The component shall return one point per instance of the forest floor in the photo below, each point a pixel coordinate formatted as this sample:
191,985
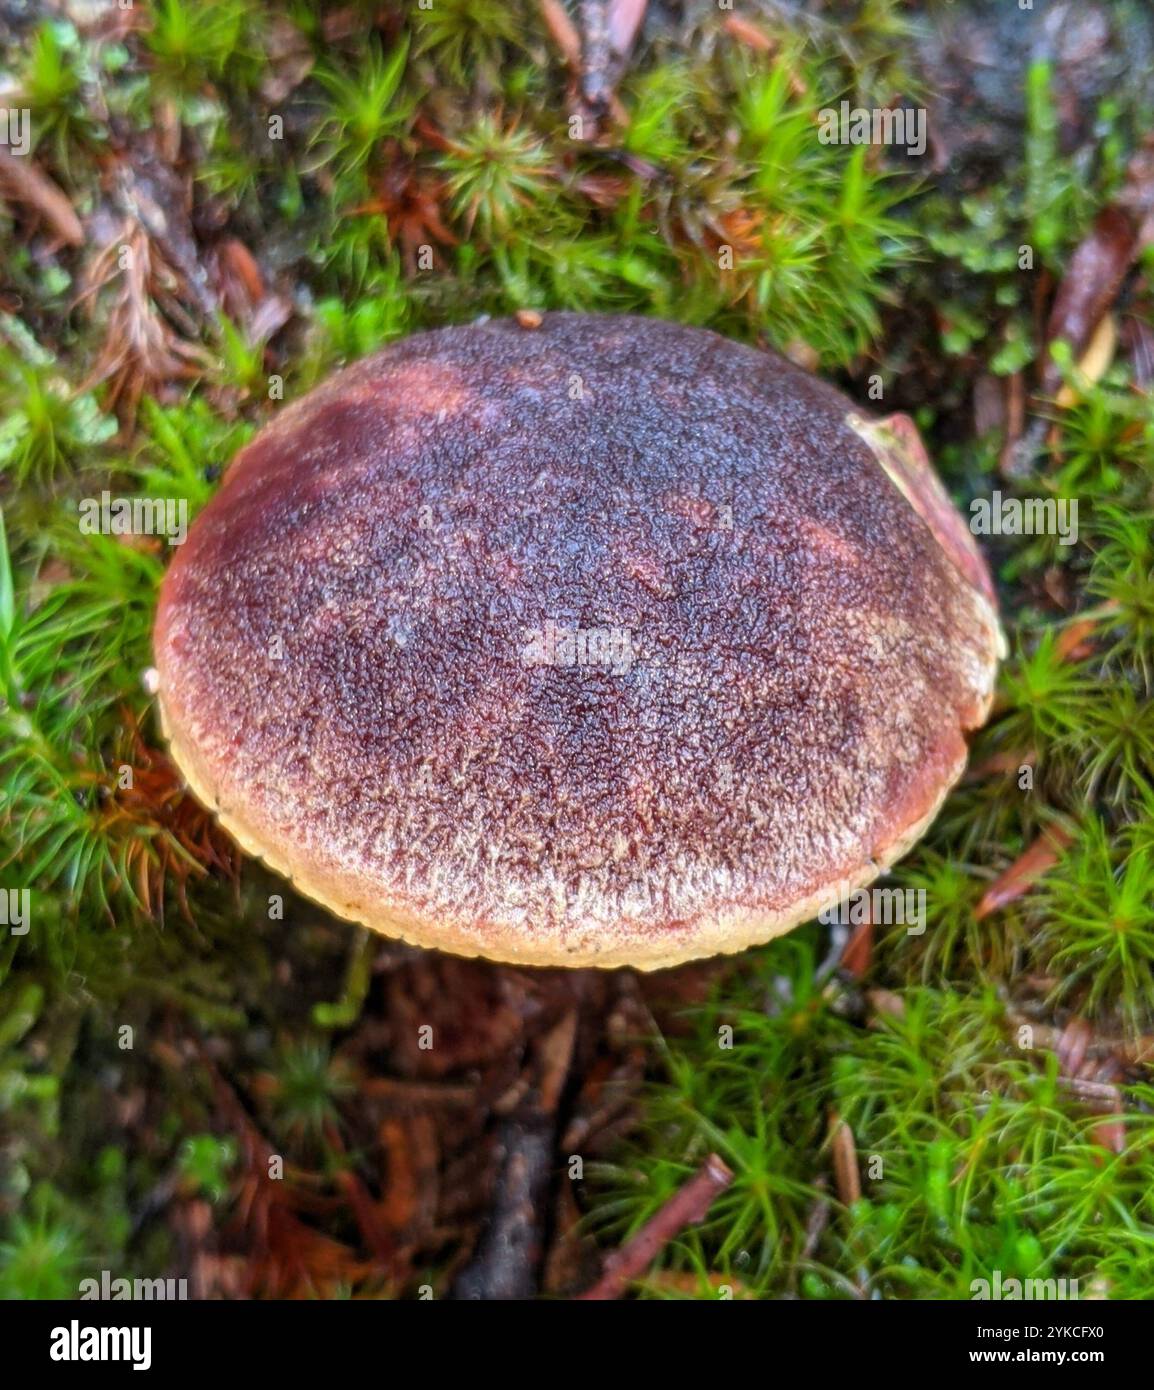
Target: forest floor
221,201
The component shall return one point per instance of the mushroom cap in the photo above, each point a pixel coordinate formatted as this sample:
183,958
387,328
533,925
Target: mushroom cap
602,642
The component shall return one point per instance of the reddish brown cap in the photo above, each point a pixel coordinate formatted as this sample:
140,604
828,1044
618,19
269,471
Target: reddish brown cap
600,642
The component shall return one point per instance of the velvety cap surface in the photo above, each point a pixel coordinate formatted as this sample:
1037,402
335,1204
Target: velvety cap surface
604,642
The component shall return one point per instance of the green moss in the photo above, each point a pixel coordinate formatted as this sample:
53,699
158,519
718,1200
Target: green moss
972,1155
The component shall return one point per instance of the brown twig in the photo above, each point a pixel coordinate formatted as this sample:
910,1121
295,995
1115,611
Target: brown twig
563,32
25,183
684,1208
507,1261
596,50
847,1176
1025,871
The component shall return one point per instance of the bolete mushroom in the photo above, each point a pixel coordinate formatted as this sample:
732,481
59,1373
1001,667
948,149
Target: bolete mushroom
577,640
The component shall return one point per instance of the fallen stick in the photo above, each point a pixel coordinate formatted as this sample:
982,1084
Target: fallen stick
21,181
684,1208
509,1255
507,1261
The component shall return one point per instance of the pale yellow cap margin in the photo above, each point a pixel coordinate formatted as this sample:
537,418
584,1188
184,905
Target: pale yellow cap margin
727,934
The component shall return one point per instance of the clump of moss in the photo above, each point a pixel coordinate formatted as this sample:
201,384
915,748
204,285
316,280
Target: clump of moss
971,1153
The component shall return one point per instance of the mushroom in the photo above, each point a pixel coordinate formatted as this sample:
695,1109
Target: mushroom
577,640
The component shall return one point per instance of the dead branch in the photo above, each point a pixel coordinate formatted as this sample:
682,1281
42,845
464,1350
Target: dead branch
684,1208
21,182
